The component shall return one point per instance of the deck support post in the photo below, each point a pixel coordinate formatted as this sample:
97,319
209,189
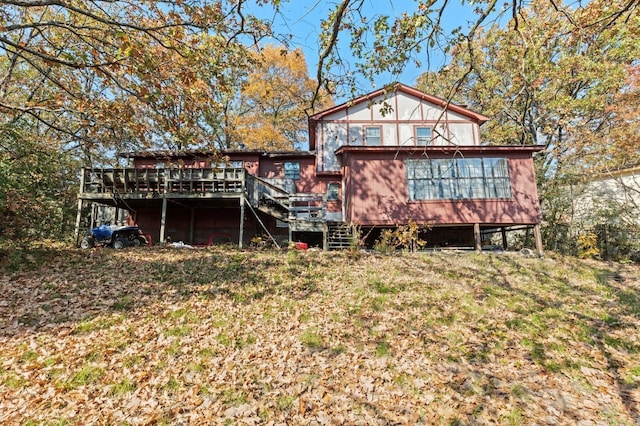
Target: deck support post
192,224
241,235
477,237
325,235
76,233
504,238
93,223
163,218
538,237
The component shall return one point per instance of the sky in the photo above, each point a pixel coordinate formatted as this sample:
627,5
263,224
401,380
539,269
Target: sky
300,20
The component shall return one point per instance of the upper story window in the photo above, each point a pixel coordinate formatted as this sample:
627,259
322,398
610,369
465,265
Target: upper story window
333,191
458,178
235,164
292,170
423,136
372,136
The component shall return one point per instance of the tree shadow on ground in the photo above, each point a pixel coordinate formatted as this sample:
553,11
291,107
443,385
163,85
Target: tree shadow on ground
63,287
599,331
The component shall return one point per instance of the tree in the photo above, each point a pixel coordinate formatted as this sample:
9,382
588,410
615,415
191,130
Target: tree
37,185
81,80
378,43
272,109
107,74
575,92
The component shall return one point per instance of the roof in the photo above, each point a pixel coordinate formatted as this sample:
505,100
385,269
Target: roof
197,153
629,170
442,149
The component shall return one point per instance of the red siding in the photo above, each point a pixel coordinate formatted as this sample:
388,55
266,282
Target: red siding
377,194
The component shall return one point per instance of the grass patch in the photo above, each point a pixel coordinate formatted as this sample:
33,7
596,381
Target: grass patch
88,326
123,387
87,375
312,340
234,397
125,303
284,403
383,349
179,331
381,286
316,330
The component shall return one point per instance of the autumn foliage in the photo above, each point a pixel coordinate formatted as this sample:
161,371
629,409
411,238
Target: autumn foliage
274,101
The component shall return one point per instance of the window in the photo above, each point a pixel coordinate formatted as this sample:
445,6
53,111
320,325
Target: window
333,191
235,164
458,178
292,170
423,136
372,136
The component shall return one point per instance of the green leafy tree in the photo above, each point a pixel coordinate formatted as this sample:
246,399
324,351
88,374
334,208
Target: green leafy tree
543,82
37,186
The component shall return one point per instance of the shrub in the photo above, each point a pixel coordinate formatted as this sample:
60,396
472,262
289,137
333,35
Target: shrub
588,246
406,237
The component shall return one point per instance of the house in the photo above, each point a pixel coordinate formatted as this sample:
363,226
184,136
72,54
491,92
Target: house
611,194
374,163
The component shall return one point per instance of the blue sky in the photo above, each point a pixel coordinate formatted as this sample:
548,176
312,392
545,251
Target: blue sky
300,21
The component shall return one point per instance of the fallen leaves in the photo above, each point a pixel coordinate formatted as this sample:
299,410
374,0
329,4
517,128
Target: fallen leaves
257,339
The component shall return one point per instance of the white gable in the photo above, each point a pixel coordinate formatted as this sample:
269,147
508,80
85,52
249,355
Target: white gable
398,116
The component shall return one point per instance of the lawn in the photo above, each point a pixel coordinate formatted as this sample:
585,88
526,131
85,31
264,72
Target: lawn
214,336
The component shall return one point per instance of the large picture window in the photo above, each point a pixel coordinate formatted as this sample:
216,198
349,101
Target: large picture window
458,178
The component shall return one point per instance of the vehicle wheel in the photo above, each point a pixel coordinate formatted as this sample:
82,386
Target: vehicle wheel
135,242
87,243
119,244
141,241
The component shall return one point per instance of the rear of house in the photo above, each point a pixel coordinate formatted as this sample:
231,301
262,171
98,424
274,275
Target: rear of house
377,162
403,155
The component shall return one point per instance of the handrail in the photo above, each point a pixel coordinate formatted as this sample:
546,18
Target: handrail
270,185
280,196
163,180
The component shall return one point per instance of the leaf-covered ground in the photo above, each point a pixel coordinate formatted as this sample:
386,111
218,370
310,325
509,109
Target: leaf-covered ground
169,336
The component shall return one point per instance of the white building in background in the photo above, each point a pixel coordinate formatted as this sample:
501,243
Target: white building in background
612,196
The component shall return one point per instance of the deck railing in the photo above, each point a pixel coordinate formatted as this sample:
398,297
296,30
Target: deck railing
163,180
298,206
307,206
199,181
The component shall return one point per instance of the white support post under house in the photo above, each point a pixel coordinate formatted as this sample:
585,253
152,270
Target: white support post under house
163,218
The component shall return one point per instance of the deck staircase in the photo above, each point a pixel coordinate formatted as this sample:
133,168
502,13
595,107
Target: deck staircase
302,211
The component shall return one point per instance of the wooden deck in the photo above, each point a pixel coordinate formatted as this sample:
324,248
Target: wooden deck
126,187
145,183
